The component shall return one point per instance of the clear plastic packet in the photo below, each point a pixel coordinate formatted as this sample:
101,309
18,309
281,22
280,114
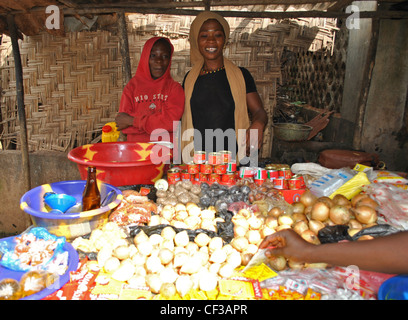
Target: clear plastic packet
34,249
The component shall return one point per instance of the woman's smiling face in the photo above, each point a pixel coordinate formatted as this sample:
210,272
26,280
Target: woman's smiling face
211,40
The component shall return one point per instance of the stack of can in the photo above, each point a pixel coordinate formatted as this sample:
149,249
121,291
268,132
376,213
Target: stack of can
280,175
218,168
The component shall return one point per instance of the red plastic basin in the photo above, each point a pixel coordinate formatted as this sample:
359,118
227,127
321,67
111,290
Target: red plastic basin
122,163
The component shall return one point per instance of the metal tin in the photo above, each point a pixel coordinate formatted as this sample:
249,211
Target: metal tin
226,156
185,175
294,183
202,177
260,174
280,183
214,177
246,172
272,174
173,176
193,168
232,166
228,178
206,168
220,168
199,157
285,173
214,158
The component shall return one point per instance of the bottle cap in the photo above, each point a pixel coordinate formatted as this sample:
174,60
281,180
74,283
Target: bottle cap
106,129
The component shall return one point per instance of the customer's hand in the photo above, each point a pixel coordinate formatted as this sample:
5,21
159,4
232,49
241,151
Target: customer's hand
123,121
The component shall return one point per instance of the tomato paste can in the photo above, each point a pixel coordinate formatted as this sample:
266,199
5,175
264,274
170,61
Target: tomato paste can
185,175
173,176
294,184
206,168
260,174
226,156
193,168
259,182
220,168
199,157
214,158
246,172
228,178
214,177
285,173
302,181
272,174
280,183
232,166
202,177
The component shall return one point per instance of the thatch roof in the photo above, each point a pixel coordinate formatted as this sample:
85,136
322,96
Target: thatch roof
30,15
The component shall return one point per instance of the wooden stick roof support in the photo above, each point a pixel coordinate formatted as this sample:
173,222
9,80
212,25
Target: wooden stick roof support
124,48
20,106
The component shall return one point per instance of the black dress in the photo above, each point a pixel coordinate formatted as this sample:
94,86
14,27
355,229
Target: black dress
212,109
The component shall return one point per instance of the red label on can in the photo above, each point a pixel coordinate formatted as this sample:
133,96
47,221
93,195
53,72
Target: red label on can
259,182
173,176
260,174
294,184
214,158
285,173
202,177
206,168
220,168
185,176
280,183
226,156
231,167
228,178
193,168
214,177
199,157
246,172
272,174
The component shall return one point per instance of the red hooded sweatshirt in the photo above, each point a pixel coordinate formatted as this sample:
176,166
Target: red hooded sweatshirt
154,103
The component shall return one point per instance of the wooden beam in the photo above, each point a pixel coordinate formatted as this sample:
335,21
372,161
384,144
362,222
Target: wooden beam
244,14
124,48
339,5
365,88
20,105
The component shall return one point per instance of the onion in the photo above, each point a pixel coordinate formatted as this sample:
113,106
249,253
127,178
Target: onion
252,248
234,259
253,236
320,211
299,217
183,285
354,224
307,198
339,214
240,231
285,220
154,282
191,247
278,263
138,259
137,281
168,233
298,207
271,222
315,226
295,265
140,237
341,200
244,213
180,259
266,231
145,248
153,264
357,198
181,239
207,281
125,271
218,256
366,237
352,231
275,212
310,237
167,290
326,200
240,243
215,243
168,275
300,226
202,239
255,222
245,258
240,221
111,264
226,270
367,201
365,214
165,256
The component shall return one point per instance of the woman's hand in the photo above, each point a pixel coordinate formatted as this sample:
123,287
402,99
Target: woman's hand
123,121
288,244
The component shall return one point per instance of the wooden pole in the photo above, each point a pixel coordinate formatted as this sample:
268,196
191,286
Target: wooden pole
124,48
365,88
20,101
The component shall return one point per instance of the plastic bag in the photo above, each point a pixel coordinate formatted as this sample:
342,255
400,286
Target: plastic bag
34,249
353,186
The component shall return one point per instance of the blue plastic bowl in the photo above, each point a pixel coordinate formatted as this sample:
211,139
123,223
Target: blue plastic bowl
395,288
61,202
70,225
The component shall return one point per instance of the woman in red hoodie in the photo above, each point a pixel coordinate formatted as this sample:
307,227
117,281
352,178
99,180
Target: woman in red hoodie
152,100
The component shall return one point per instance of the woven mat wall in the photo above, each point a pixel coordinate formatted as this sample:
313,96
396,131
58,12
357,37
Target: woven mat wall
73,84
